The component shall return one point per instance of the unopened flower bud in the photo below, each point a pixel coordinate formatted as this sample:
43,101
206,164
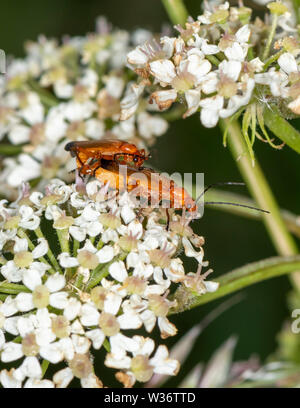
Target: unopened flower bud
220,16
276,7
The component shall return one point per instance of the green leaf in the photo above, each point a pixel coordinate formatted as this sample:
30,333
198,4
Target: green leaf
12,288
238,279
282,129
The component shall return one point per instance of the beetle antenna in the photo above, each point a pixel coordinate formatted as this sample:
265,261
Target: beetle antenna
225,183
237,205
232,183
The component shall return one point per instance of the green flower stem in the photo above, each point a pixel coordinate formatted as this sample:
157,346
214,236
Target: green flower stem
102,270
271,37
176,10
272,59
38,232
100,244
63,239
106,345
45,365
261,192
281,128
79,280
291,220
12,288
214,60
10,150
76,245
22,234
3,297
237,279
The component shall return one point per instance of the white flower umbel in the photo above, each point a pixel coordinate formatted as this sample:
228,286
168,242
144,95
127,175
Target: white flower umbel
222,64
62,92
79,272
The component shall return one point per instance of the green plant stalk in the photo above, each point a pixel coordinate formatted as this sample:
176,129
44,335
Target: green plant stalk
102,270
291,220
63,239
238,279
176,11
261,192
281,128
271,37
297,9
214,60
272,59
106,345
45,365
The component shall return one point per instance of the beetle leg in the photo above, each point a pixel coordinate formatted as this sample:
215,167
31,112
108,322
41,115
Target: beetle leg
97,165
168,218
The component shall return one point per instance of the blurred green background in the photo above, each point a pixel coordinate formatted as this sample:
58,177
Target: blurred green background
188,147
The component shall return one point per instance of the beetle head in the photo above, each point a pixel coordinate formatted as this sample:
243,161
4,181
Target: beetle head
70,147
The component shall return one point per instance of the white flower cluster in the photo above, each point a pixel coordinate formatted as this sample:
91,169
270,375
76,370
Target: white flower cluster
214,66
112,271
65,92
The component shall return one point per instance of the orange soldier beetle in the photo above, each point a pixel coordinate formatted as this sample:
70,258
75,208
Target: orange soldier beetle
89,154
103,160
157,188
147,184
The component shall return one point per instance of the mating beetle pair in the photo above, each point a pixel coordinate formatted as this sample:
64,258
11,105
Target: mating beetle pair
103,158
